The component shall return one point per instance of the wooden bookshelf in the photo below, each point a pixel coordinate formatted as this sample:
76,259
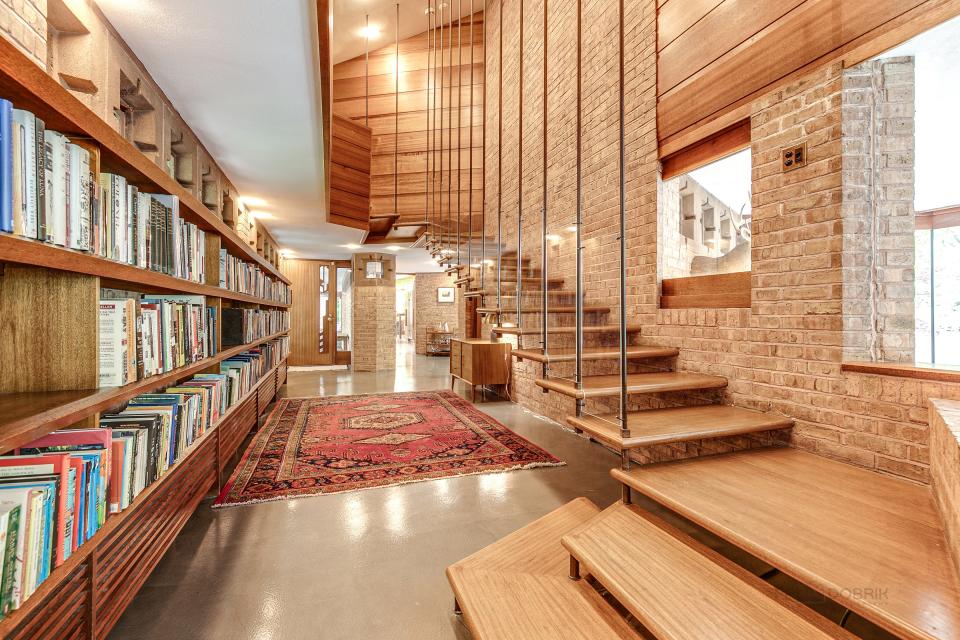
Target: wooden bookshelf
85,596
29,87
115,275
27,416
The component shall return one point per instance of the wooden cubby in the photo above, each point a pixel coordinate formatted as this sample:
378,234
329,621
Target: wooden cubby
49,343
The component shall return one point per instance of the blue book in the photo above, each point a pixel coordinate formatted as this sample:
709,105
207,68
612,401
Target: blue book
6,166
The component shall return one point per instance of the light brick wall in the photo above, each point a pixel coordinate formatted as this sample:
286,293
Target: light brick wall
781,355
429,313
878,212
24,23
945,468
374,315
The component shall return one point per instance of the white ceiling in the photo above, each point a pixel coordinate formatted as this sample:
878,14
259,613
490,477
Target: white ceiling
349,18
243,74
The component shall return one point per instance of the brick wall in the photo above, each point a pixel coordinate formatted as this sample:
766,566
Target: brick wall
878,213
374,315
429,313
24,23
781,355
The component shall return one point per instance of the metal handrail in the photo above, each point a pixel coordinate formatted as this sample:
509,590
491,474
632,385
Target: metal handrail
520,190
459,106
579,224
440,223
544,257
624,429
470,160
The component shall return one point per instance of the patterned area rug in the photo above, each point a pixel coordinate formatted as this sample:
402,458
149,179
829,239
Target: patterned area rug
312,446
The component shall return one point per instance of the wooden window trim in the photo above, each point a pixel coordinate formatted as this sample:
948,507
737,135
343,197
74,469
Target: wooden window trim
915,370
941,218
717,291
719,145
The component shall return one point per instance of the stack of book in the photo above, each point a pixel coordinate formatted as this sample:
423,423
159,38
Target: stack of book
152,335
244,277
51,190
57,491
241,326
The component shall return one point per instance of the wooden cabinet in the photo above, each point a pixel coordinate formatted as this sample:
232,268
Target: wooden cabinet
479,362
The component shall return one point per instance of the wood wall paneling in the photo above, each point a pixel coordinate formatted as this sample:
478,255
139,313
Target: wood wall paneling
304,312
714,58
350,174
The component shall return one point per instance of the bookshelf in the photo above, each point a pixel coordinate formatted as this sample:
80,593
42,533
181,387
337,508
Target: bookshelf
49,345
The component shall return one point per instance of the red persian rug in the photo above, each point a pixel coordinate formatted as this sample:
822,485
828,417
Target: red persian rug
343,443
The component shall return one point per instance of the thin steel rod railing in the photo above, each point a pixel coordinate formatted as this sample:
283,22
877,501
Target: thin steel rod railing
544,254
428,178
470,160
624,428
459,108
500,164
483,146
366,73
396,110
449,226
579,223
440,220
518,271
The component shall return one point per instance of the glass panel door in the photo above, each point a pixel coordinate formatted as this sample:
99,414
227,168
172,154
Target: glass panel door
344,313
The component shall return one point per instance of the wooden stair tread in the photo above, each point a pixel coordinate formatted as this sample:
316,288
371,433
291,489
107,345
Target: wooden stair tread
602,328
554,309
871,542
463,280
678,589
518,586
594,353
679,424
657,382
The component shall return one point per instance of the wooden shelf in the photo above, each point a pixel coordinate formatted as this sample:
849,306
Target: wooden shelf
27,416
35,604
29,87
112,274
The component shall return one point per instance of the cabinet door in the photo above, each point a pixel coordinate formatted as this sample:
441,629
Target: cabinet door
467,359
455,358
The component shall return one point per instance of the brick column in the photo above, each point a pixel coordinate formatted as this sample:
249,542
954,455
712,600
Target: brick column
374,314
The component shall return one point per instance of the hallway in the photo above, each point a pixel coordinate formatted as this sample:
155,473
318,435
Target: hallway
290,569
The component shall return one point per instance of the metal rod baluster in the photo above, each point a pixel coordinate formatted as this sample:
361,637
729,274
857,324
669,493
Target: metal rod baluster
366,73
500,164
624,429
428,178
459,106
470,160
544,254
450,132
520,192
578,375
439,181
483,146
396,109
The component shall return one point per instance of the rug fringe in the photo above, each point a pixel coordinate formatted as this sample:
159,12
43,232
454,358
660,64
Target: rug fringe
518,467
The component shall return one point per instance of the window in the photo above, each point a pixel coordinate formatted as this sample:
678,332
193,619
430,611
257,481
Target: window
704,219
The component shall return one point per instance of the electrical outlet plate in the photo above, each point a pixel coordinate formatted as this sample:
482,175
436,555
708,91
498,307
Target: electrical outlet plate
793,157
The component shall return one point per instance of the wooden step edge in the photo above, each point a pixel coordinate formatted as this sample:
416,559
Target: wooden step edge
633,353
464,280
513,331
606,428
708,382
741,584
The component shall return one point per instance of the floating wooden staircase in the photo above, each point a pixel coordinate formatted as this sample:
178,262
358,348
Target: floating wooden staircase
655,382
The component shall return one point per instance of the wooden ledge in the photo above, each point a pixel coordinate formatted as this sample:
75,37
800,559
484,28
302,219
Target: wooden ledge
917,370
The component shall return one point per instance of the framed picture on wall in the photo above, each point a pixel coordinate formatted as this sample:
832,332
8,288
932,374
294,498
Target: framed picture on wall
374,270
445,294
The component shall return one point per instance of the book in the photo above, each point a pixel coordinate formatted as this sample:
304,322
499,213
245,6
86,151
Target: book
57,187
10,524
6,166
58,465
25,168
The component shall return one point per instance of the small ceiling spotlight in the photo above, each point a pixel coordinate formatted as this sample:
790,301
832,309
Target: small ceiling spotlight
393,247
351,246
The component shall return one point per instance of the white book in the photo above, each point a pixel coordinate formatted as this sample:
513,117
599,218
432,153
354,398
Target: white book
78,199
26,155
112,334
143,226
56,187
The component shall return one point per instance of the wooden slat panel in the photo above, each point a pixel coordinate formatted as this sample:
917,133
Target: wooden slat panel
412,183
413,141
720,291
762,60
416,60
352,132
353,88
350,180
350,155
713,148
410,204
679,15
408,101
349,205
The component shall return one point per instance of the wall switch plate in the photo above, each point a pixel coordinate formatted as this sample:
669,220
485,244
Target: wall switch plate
794,157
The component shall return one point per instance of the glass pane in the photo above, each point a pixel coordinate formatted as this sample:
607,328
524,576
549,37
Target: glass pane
946,295
324,306
705,215
923,338
344,307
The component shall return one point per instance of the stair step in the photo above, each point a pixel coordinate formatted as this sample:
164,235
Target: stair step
594,353
529,331
518,586
678,424
473,293
678,589
463,280
871,542
550,309
658,382
512,282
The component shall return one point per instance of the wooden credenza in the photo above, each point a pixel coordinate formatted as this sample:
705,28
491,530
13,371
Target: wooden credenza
479,362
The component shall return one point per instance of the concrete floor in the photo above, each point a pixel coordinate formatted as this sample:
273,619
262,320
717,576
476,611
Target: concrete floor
365,564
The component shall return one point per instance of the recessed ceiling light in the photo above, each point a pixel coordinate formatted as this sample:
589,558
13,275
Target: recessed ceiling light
252,201
393,247
261,215
352,247
371,32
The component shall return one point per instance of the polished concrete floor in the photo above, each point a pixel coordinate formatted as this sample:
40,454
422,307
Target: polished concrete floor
366,564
